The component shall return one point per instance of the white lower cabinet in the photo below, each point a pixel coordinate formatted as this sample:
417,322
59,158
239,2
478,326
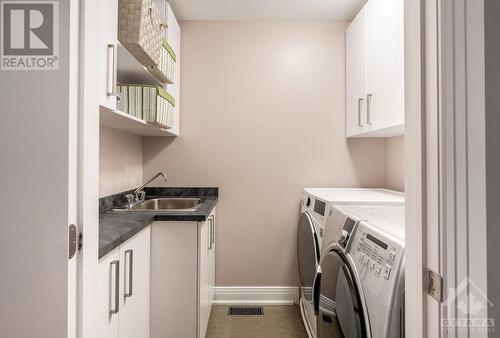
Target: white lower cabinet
124,290
135,298
182,278
211,262
108,295
206,268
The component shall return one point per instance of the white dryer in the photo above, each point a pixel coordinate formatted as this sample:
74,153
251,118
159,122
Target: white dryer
318,224
359,287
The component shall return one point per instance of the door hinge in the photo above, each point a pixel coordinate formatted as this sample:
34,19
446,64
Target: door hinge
75,240
72,240
435,285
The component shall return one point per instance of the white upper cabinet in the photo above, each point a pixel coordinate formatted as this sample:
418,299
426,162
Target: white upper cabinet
375,71
174,89
356,74
108,32
118,66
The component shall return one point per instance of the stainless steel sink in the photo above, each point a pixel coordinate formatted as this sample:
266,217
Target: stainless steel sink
167,203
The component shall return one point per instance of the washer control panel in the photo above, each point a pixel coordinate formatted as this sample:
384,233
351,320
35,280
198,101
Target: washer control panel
376,255
379,259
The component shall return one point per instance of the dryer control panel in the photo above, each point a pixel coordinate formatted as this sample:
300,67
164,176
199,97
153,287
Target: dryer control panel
318,209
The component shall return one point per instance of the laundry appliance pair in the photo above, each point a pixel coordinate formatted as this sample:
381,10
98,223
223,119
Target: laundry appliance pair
350,246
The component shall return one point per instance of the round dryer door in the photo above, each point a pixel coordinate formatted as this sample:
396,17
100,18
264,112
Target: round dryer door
340,311
307,255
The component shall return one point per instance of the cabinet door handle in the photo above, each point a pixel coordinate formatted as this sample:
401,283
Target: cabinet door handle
360,104
130,254
111,89
368,108
210,233
115,305
213,230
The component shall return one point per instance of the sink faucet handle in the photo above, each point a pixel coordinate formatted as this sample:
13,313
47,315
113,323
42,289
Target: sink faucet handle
130,199
140,196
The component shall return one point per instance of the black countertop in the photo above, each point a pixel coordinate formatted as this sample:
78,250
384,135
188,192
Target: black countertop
116,227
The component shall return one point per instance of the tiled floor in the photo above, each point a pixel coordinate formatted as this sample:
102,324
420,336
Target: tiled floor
277,322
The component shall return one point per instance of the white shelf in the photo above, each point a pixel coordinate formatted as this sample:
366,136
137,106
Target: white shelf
131,70
115,119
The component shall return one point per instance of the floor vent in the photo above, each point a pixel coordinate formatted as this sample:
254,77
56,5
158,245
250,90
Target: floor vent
245,311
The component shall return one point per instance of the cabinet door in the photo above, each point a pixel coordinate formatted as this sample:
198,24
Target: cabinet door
135,286
385,63
211,262
204,305
109,269
174,89
356,75
108,37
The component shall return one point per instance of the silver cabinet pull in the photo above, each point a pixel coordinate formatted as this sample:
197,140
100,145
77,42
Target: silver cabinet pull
360,103
210,233
115,306
213,230
368,108
130,254
111,80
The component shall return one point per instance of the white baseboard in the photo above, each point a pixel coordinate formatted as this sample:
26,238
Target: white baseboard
261,295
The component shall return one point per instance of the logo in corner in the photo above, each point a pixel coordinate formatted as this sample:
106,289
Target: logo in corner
29,35
471,304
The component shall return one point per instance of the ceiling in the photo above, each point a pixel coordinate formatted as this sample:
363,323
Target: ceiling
256,10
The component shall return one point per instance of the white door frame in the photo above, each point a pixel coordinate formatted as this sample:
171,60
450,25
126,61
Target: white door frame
88,203
445,161
414,171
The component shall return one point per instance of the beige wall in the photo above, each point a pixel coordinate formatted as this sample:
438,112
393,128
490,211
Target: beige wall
120,161
395,163
262,118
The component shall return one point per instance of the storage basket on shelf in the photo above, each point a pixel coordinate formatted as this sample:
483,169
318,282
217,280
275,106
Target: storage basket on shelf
149,103
166,68
141,29
162,7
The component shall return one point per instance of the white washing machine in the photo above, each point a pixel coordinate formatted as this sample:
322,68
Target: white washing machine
318,224
359,287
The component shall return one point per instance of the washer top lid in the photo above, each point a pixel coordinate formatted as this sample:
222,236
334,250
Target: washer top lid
358,196
389,219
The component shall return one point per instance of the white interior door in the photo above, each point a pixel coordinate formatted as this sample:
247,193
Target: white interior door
38,198
445,168
463,169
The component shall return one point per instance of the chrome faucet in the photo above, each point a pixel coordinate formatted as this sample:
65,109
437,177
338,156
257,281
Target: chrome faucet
139,194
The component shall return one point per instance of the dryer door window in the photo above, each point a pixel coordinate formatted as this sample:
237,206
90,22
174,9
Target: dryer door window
307,255
340,308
